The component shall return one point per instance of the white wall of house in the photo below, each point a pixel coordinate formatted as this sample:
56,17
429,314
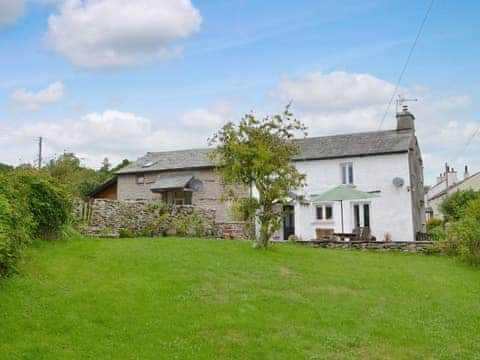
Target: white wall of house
390,212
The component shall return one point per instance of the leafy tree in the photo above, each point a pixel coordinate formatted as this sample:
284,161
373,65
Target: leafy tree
257,153
5,168
454,206
465,233
79,180
105,165
120,166
48,202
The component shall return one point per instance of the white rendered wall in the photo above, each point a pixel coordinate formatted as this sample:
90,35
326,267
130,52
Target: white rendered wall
390,212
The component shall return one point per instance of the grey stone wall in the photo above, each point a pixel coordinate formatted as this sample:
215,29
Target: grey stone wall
208,197
406,246
107,218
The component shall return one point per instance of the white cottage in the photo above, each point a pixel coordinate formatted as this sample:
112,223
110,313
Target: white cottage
384,164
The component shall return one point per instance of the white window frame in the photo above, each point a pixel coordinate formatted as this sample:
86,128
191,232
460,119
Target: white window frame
347,173
361,213
324,212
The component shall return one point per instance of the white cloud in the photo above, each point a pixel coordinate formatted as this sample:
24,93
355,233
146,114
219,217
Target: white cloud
119,33
112,133
207,119
10,11
335,91
23,99
341,102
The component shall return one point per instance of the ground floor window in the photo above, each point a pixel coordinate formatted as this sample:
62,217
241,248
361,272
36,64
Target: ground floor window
178,197
324,212
361,215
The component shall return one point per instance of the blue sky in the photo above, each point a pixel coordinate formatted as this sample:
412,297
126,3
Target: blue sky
179,71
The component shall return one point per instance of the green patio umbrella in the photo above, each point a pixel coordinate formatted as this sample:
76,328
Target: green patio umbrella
341,193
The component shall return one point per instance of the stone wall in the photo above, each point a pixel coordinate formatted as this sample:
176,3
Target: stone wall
107,218
233,230
406,246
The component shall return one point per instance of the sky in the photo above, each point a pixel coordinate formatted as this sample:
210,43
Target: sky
118,78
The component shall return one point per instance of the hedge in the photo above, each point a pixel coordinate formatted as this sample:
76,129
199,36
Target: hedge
31,206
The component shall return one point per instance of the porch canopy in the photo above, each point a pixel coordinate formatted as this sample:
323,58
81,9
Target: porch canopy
171,182
342,193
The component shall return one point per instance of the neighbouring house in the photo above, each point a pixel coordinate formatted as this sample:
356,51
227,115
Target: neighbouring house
386,164
447,183
183,177
107,190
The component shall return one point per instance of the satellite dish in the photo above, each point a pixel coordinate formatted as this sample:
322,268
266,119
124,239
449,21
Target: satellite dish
398,182
195,185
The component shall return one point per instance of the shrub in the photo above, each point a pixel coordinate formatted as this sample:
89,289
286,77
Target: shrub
15,225
126,233
434,223
453,207
188,225
49,203
12,241
465,233
158,226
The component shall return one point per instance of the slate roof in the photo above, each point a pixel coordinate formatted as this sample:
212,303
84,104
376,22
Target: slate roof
314,148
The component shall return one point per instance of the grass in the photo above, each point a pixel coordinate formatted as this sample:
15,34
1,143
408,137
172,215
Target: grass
203,299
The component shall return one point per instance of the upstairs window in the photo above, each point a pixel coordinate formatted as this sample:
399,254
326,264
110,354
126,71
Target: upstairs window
140,179
324,212
347,173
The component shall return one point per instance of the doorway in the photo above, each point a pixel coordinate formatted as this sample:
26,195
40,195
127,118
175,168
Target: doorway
288,221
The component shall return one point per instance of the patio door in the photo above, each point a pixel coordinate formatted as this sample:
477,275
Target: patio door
361,215
288,221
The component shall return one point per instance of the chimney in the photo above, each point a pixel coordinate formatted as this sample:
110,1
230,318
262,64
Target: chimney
405,119
466,173
440,178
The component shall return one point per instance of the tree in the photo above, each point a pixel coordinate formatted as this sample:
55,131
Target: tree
5,168
454,206
120,166
105,165
79,180
258,153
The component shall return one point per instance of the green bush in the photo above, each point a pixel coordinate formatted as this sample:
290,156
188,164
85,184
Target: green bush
188,225
31,205
12,241
49,203
465,233
126,233
15,225
454,206
158,226
434,223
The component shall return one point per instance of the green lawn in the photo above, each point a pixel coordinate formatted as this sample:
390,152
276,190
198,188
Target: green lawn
206,299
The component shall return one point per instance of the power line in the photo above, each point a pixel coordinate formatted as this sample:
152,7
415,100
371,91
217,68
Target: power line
400,77
469,141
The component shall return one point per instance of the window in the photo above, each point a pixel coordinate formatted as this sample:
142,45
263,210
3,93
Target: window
177,197
324,212
140,179
347,173
361,215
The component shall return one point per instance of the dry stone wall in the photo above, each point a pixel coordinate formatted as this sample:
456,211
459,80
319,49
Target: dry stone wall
108,218
406,246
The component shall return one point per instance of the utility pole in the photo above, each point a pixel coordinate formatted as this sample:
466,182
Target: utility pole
40,143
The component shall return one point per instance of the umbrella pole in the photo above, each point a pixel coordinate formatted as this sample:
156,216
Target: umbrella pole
341,210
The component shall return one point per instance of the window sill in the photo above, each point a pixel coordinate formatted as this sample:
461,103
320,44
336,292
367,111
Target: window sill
323,222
